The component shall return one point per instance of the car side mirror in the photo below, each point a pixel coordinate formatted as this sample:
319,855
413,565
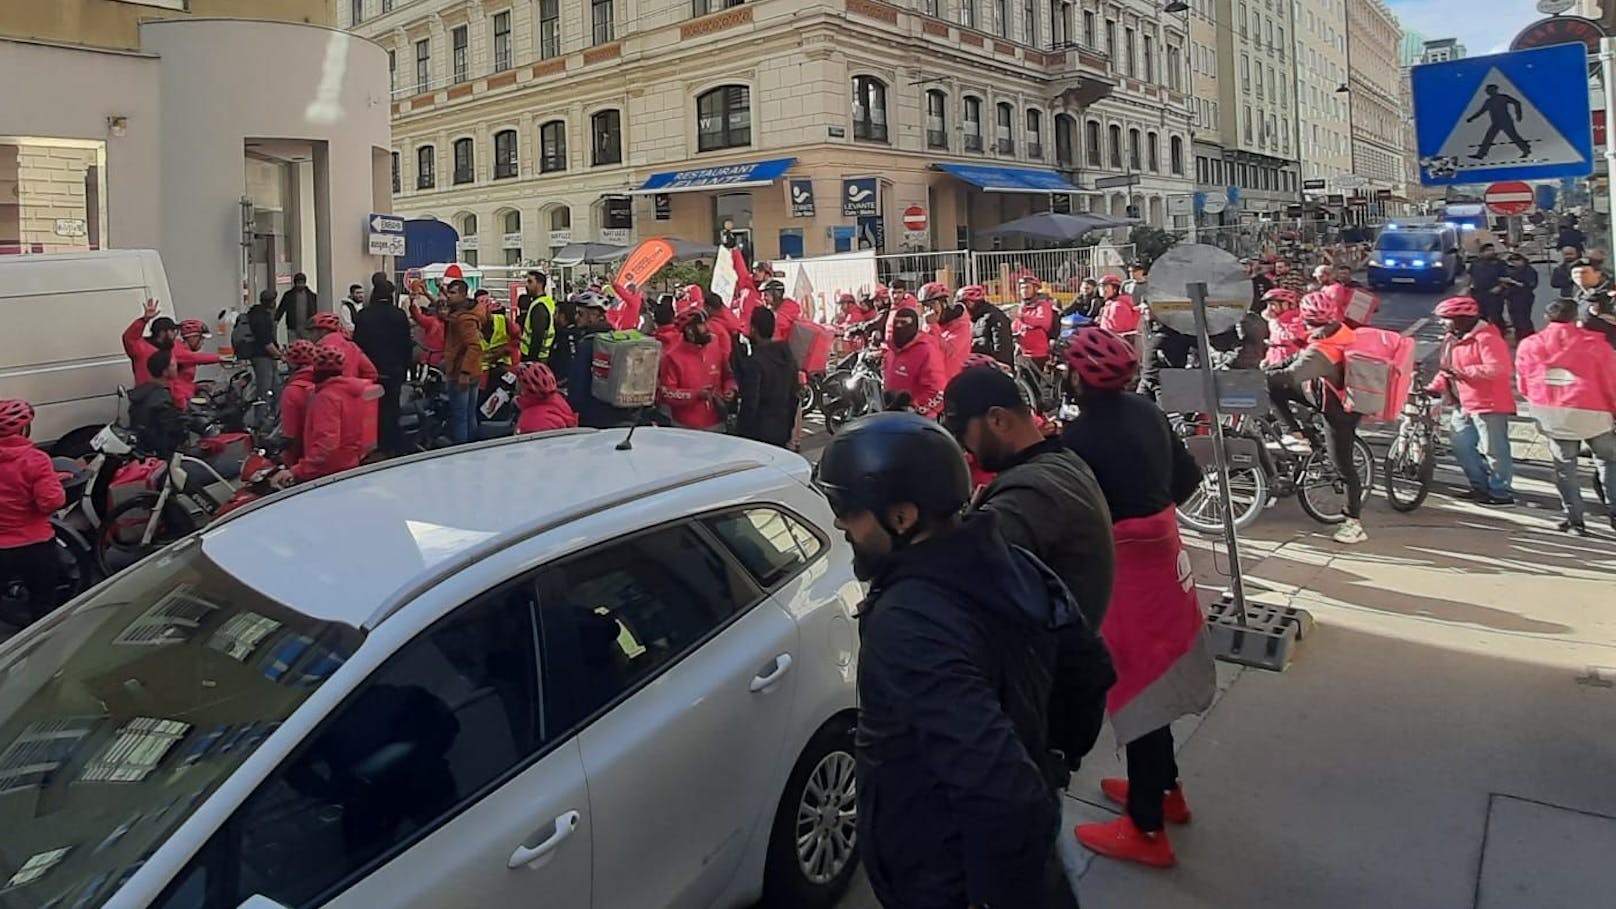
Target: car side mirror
259,901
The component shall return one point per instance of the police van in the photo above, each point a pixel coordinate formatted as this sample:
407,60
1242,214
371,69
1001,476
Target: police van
1415,255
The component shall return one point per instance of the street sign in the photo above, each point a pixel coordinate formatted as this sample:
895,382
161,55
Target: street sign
859,198
1352,181
1115,182
1554,7
1504,117
1181,204
1560,30
802,198
1511,197
914,219
1214,203
1383,195
384,235
1312,185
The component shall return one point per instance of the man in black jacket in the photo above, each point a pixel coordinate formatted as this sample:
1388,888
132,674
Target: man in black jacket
768,385
1560,278
1485,274
298,306
991,332
264,353
153,414
960,647
1519,281
382,331
1046,499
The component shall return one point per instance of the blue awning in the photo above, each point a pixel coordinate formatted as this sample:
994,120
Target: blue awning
722,176
996,179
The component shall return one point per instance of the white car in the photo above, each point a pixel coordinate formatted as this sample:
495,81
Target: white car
541,671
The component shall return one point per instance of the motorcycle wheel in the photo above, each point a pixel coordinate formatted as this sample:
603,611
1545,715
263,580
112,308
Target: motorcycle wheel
810,397
118,546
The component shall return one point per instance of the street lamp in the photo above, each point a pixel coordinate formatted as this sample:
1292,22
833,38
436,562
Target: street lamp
1176,6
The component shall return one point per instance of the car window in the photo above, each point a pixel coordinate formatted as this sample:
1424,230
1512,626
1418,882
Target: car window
1407,242
450,714
637,606
119,718
771,544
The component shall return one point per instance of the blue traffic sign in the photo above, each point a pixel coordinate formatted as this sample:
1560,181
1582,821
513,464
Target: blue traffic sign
1516,116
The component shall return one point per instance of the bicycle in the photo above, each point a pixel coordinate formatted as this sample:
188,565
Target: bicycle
1411,459
1262,470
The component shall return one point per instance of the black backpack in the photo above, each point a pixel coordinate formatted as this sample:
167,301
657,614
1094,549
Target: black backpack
242,339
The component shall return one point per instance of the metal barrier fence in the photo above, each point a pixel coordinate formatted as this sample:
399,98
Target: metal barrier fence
954,269
1061,270
1304,244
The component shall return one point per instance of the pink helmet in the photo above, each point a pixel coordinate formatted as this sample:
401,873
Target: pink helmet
882,292
1319,309
537,380
973,293
982,359
193,328
688,318
1028,278
326,321
15,417
299,353
1101,359
1457,308
1112,280
1284,296
329,358
935,290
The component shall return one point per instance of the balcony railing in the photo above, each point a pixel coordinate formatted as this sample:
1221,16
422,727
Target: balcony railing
973,143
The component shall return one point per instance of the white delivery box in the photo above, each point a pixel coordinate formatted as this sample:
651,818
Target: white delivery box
64,316
623,369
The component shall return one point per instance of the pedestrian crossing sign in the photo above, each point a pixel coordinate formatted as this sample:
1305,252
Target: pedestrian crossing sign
1516,116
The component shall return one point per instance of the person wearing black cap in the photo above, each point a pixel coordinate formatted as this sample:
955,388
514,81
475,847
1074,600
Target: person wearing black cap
577,345
1045,497
145,336
257,344
767,376
960,639
1595,310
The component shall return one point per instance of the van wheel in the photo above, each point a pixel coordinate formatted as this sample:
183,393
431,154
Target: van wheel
813,844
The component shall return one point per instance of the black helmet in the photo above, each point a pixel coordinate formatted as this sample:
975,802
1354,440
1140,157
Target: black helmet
775,285
887,459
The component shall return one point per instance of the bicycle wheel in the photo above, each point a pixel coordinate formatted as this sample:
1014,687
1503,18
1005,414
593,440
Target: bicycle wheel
119,545
1409,468
1321,490
1203,510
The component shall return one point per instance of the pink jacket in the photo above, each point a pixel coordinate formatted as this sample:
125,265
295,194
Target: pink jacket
918,368
1287,335
1120,315
30,491
1481,361
1567,372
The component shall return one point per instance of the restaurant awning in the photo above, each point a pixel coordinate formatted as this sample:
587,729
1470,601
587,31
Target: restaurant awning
994,179
722,176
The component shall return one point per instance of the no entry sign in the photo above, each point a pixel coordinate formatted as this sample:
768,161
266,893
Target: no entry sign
1511,197
914,218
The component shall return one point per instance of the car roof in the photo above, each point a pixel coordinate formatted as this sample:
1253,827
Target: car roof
344,548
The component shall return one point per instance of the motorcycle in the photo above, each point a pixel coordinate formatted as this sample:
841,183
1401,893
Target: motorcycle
424,410
257,473
189,492
854,392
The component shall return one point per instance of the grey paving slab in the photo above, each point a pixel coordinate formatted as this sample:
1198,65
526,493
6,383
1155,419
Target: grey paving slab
1540,856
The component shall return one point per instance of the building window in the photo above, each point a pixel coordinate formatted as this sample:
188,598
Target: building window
1130,51
968,13
1174,63
932,7
1029,22
465,161
392,71
972,121
1088,28
1114,134
387,6
1091,141
703,7
468,226
423,64
502,41
1003,140
459,50
1035,134
1150,59
426,167
552,147
356,11
600,19
549,28
506,163
1065,130
724,118
1153,152
1001,18
936,119
869,109
1111,41
606,130
397,187
1133,149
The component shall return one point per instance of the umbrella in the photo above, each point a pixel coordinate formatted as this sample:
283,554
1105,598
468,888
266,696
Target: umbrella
1056,228
683,250
587,253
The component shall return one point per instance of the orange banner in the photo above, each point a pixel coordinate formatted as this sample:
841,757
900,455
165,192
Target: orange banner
646,260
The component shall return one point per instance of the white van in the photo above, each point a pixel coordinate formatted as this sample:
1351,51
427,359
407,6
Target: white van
63,316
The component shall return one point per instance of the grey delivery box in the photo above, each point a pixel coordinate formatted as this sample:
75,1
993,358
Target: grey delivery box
623,371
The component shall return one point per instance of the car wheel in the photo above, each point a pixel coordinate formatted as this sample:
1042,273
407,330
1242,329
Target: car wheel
813,845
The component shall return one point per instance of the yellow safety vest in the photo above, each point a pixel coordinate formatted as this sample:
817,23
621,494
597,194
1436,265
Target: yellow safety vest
549,333
495,351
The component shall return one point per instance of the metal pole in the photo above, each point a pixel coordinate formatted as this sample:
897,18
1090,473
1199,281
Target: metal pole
1607,59
1209,386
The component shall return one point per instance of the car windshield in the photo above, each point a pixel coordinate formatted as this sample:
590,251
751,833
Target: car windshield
119,718
1402,241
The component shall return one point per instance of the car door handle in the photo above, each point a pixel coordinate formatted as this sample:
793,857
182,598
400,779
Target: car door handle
527,855
781,666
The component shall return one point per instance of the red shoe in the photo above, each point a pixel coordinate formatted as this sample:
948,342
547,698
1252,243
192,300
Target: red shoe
1120,839
1175,810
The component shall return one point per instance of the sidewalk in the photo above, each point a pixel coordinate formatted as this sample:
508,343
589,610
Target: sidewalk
1445,737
